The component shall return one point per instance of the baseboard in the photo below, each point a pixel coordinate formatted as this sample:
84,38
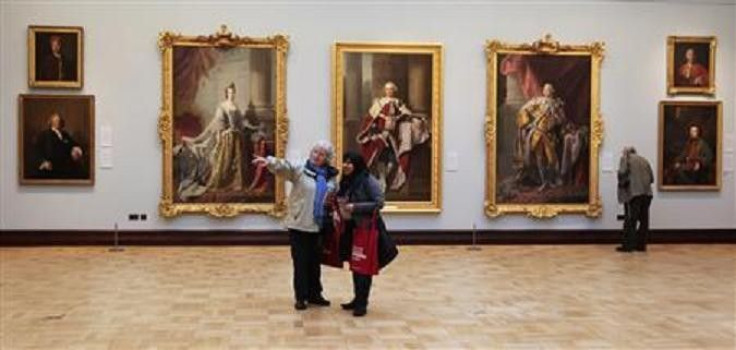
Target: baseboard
11,238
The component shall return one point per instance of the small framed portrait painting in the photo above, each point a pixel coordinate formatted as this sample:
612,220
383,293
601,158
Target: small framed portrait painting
691,65
55,57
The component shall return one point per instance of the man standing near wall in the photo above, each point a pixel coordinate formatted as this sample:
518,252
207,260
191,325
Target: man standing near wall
635,180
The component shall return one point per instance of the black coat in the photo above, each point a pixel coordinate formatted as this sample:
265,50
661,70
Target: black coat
56,69
367,198
58,151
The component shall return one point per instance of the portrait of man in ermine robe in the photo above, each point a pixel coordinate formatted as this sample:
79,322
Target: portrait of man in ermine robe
387,109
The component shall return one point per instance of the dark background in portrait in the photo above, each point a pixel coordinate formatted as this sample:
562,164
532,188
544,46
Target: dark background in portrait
571,77
702,55
77,122
69,42
677,121
195,66
365,75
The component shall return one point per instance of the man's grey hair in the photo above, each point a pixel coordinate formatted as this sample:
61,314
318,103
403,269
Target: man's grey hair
630,150
325,146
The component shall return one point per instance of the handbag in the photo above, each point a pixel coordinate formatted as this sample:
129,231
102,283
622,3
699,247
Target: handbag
387,250
331,241
364,256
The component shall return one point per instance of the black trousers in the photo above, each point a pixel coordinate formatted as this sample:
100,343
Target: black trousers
305,255
361,289
636,212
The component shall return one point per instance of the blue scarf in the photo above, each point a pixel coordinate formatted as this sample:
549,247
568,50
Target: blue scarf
320,175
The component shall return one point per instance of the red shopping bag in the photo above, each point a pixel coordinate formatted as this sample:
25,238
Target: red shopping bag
331,243
364,257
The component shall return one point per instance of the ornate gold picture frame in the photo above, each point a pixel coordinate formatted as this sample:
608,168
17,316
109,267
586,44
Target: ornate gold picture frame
691,65
223,102
55,57
690,146
387,105
543,128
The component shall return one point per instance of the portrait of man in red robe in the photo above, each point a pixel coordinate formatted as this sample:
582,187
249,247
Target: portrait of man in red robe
388,116
690,138
691,72
388,134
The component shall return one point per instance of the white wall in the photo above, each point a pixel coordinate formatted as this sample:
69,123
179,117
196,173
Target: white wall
122,69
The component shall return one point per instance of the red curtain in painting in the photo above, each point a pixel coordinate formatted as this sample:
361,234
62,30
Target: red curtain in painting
190,66
570,76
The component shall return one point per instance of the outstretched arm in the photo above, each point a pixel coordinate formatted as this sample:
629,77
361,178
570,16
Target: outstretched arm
216,123
278,166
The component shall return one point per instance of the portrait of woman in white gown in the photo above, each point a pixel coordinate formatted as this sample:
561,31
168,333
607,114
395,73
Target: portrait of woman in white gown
213,161
223,104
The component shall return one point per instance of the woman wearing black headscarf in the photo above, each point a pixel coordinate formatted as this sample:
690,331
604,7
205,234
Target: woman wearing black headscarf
360,197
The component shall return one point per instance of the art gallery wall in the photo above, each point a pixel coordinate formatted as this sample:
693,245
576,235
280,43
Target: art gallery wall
123,71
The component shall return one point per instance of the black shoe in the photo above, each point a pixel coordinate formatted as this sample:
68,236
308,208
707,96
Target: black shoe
300,305
360,311
348,306
319,301
624,250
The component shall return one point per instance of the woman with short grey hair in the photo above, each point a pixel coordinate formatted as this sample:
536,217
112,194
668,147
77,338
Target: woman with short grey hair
312,182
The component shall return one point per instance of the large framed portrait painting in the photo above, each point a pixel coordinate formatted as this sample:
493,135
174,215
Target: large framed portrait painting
387,106
691,65
55,57
223,104
56,139
690,146
543,128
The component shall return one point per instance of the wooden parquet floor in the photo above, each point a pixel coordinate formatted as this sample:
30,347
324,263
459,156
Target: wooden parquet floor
501,297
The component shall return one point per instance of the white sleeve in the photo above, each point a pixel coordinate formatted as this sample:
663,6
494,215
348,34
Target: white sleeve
282,167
